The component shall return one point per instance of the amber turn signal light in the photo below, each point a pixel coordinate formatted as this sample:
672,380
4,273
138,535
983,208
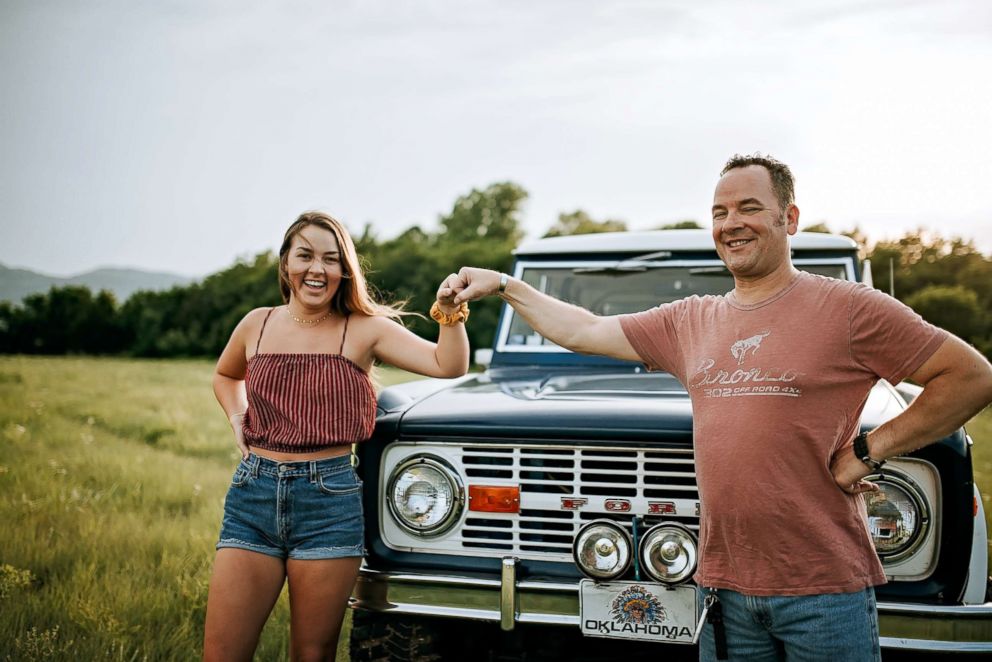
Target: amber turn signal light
494,499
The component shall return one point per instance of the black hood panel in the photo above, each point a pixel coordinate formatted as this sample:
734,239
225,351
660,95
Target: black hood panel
608,404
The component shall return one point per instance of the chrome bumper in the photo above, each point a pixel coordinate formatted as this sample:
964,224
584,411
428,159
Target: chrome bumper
508,601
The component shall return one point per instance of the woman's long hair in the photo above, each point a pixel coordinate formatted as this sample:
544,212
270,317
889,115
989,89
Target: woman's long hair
353,295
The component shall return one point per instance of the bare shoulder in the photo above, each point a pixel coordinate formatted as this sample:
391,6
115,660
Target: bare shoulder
251,324
373,328
233,359
372,324
252,321
257,315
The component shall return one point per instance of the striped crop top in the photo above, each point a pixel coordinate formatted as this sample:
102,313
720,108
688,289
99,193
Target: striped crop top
299,403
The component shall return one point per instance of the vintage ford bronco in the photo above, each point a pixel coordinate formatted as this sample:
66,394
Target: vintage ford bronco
547,507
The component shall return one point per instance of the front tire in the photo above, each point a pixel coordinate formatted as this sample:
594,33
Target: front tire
378,637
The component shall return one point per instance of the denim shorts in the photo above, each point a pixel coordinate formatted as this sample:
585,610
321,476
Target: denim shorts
831,627
296,510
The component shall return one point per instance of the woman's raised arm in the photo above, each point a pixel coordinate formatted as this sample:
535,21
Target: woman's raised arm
403,349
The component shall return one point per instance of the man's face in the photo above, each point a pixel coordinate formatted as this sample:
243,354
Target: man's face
749,229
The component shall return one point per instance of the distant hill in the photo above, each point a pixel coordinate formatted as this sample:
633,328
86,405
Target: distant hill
15,284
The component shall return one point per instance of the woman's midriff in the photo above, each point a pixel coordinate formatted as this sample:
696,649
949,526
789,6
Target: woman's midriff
322,454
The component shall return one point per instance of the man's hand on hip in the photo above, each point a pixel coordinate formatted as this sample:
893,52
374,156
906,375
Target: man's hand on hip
849,472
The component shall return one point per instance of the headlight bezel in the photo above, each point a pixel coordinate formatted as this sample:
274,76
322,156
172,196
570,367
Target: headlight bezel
448,473
924,518
623,535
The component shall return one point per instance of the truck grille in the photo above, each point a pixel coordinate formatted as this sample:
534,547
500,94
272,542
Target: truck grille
560,490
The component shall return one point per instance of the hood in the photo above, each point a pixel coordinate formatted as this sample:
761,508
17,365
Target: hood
564,404
569,404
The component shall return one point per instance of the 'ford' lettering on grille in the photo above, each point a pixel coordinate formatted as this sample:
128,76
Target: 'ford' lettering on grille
617,505
573,503
661,507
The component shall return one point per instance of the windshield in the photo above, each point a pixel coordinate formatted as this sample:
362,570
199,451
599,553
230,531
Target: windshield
610,291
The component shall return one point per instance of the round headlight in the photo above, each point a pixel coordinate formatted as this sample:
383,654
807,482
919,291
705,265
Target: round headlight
668,553
602,549
425,495
898,516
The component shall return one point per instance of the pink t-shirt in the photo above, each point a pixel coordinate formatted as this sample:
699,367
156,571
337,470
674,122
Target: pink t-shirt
777,389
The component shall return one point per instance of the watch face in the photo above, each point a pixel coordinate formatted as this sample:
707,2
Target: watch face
873,463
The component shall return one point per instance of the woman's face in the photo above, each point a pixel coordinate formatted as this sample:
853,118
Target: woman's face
313,267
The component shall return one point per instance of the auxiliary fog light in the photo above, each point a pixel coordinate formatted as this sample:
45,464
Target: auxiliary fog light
425,495
668,553
602,549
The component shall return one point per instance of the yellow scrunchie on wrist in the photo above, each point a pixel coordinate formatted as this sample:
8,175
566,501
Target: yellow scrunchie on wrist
445,319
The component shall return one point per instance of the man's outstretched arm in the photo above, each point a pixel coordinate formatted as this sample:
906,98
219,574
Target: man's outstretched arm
570,326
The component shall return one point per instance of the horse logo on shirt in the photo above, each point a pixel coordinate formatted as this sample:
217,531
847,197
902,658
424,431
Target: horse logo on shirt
740,348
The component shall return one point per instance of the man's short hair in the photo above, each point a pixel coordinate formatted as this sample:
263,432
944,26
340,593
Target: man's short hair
783,183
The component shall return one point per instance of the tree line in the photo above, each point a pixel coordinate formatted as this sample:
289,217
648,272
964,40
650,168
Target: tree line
947,281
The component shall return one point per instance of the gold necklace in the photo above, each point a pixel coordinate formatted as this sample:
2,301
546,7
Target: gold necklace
305,322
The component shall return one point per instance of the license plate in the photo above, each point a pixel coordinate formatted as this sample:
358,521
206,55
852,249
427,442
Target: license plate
637,610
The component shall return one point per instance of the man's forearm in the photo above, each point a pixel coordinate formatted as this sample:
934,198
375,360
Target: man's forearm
957,384
556,320
570,326
944,405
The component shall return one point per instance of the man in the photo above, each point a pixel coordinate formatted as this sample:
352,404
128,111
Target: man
784,547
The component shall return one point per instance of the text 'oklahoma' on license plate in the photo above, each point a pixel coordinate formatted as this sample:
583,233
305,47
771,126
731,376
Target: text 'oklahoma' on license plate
637,610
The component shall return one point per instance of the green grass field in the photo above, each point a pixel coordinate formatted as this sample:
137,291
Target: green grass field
112,479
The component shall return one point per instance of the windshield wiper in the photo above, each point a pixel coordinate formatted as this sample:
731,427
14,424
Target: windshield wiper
628,265
710,271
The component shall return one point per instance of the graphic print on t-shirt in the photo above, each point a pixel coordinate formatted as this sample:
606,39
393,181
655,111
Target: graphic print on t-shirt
740,348
719,382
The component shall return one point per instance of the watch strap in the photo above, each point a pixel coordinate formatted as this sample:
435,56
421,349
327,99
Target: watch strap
861,452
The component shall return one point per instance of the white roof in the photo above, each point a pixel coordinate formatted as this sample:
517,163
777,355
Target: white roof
664,240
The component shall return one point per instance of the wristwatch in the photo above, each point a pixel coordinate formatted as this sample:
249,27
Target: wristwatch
861,452
504,280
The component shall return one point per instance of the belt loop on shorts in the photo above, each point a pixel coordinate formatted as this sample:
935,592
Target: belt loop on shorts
253,462
313,471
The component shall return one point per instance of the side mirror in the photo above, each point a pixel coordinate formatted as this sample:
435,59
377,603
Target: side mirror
483,357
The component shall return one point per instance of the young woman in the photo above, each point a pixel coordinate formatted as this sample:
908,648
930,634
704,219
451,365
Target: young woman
294,382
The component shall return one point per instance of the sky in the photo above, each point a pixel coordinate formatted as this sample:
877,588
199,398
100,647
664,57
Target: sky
181,135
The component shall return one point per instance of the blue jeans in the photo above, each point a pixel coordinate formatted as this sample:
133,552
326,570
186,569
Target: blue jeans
799,628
